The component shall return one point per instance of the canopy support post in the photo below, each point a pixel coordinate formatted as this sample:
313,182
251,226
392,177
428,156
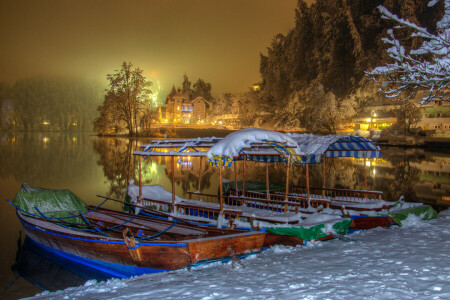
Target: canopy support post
288,163
221,188
324,178
365,174
199,176
173,183
243,176
307,183
140,181
236,193
267,181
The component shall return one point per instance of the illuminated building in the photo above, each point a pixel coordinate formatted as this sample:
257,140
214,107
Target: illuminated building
182,108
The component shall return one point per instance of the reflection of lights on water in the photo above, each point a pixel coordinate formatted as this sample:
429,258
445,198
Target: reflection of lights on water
74,139
153,167
45,123
374,171
45,140
184,162
186,165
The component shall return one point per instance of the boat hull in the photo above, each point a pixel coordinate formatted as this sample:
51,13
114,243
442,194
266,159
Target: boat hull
369,222
113,258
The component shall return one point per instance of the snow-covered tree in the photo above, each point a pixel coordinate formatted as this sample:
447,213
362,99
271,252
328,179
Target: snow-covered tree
425,68
323,111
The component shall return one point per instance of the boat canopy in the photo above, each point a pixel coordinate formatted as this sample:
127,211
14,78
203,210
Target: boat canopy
315,147
263,145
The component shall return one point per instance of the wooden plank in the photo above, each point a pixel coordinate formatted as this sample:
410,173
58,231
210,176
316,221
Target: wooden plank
225,247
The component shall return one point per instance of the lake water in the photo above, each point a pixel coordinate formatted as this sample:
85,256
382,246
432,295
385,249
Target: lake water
90,166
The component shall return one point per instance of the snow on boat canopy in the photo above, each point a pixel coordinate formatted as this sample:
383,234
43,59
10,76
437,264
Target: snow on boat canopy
263,145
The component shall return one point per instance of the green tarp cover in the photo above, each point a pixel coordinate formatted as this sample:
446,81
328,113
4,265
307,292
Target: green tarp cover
313,232
425,212
52,203
255,186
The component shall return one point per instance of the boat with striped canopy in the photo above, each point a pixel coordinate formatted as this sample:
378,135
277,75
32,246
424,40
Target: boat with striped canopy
267,146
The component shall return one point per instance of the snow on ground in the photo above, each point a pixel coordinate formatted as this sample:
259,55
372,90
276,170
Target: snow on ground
408,262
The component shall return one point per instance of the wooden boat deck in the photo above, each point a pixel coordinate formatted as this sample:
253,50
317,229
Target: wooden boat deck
127,255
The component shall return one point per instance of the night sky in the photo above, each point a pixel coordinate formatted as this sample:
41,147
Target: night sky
216,40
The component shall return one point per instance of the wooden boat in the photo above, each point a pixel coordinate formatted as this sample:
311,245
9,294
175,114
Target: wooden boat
124,245
247,218
360,209
254,145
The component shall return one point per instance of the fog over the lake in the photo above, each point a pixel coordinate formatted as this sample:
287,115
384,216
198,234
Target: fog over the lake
218,41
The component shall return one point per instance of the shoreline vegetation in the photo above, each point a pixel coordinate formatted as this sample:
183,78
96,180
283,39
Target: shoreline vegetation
400,140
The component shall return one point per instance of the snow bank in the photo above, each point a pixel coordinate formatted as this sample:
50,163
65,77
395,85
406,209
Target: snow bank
396,263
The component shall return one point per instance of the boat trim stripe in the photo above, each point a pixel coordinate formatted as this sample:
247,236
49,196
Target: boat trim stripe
99,241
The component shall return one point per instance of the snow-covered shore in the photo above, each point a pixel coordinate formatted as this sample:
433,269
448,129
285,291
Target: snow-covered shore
408,262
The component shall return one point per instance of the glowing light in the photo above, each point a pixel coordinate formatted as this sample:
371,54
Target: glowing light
368,163
74,124
153,167
45,140
45,123
374,171
74,139
369,120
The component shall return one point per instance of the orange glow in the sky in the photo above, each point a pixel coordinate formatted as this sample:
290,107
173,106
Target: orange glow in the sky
218,41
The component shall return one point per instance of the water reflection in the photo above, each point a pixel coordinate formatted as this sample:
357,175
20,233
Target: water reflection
47,159
117,162
31,264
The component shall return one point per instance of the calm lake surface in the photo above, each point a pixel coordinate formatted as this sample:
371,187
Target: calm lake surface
90,166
